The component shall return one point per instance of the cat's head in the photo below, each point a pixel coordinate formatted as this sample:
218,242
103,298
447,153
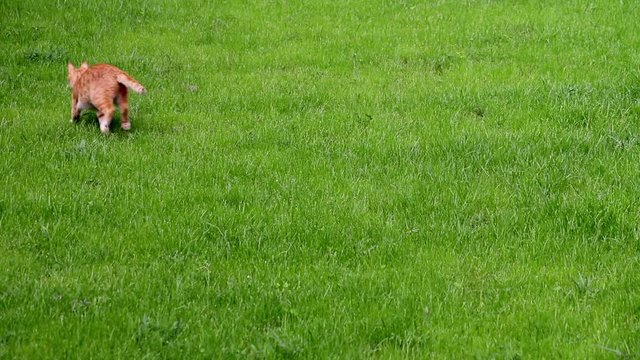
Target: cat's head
75,73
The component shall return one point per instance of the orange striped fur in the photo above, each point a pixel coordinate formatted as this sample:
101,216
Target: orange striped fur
100,87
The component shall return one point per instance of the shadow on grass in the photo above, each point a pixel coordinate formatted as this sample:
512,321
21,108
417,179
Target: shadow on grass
89,120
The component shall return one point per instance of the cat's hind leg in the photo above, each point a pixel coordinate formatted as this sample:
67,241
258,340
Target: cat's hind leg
121,100
105,114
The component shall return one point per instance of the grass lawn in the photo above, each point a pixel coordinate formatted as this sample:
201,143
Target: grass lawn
323,179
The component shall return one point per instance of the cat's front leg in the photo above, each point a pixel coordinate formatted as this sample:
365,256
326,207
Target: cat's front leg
75,112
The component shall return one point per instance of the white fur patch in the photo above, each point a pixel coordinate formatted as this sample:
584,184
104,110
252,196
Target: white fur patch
84,106
104,126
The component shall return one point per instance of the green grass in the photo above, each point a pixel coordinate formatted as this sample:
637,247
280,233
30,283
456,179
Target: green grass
308,179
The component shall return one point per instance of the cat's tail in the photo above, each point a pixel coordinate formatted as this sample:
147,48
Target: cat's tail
131,83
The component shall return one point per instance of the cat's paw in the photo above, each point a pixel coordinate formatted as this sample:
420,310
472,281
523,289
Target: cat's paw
104,124
126,126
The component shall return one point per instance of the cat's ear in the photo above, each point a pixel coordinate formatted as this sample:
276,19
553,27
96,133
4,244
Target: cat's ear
84,66
70,67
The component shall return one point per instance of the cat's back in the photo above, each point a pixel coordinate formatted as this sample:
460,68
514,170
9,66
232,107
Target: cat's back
102,71
98,79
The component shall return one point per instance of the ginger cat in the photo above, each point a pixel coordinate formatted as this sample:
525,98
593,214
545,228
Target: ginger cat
99,87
